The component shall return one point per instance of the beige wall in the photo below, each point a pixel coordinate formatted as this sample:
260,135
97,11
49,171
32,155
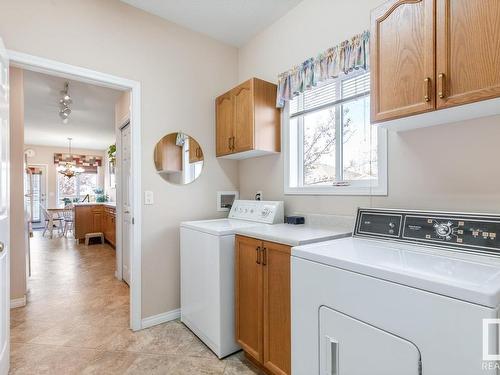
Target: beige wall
18,227
181,73
44,155
449,167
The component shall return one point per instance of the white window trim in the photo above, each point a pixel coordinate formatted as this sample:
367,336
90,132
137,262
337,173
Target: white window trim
353,189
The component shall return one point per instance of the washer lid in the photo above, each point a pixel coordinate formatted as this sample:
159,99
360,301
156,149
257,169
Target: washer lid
218,227
472,278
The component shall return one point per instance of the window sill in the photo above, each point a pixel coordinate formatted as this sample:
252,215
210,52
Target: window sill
337,190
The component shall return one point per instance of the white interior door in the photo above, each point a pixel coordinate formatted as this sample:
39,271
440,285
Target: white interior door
351,347
127,202
4,213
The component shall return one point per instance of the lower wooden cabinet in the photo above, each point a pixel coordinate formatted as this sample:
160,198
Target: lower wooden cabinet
263,325
95,218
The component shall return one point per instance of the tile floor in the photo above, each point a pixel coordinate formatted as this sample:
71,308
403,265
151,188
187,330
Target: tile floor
76,322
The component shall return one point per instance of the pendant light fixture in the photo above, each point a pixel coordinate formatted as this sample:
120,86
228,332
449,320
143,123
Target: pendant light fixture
69,169
65,102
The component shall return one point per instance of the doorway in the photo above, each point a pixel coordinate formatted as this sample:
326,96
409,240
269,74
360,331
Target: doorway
132,231
36,188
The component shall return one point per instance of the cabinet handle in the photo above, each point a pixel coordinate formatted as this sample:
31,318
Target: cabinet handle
232,142
442,85
229,143
264,258
258,255
427,89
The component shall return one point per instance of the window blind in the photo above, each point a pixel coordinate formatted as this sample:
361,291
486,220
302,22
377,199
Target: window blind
330,93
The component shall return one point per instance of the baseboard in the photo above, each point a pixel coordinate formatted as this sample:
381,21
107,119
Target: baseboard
18,302
161,318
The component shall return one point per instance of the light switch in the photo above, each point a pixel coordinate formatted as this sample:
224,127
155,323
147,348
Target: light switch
148,197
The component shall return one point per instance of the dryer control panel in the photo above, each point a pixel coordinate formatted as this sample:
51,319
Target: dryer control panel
461,231
267,212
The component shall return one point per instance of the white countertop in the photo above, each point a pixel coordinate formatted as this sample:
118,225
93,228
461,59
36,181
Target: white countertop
295,235
109,204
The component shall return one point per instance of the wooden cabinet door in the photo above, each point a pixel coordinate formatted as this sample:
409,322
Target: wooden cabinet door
97,221
243,117
248,293
224,112
83,221
468,51
112,230
402,59
277,320
195,152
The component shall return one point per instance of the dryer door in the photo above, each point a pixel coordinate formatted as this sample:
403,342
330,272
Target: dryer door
351,347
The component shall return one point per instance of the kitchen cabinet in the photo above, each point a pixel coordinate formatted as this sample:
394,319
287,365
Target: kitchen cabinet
94,219
247,121
195,152
167,155
431,55
468,51
402,59
109,227
263,323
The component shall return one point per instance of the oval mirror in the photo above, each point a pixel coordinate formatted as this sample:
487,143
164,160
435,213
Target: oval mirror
178,158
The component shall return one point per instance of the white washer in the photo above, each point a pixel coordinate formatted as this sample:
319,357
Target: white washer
207,271
394,300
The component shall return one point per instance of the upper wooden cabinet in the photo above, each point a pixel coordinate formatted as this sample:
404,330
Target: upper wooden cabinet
402,59
468,51
428,55
247,121
195,151
167,155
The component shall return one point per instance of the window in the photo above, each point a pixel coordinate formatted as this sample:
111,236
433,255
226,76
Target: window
330,145
76,187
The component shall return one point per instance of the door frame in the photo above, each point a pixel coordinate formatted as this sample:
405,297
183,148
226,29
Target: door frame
47,66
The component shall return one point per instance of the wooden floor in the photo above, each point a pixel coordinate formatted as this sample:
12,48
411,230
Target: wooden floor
77,318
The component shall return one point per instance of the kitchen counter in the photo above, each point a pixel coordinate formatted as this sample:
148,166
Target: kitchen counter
109,204
295,235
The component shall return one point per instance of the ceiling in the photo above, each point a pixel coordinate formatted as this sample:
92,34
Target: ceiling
230,21
91,123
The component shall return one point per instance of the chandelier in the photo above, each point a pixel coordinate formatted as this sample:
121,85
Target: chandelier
69,169
64,103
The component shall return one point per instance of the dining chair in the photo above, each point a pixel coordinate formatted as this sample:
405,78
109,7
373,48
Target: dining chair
69,219
56,221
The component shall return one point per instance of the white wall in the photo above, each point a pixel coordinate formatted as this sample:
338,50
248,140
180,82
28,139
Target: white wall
450,167
181,73
19,226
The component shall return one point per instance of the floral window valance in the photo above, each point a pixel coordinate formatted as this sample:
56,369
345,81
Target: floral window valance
88,162
343,58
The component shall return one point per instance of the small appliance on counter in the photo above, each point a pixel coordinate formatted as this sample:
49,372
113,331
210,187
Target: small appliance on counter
207,271
295,220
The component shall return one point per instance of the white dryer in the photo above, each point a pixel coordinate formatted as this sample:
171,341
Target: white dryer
207,271
411,293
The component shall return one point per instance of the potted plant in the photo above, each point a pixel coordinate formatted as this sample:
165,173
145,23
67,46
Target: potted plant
112,154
